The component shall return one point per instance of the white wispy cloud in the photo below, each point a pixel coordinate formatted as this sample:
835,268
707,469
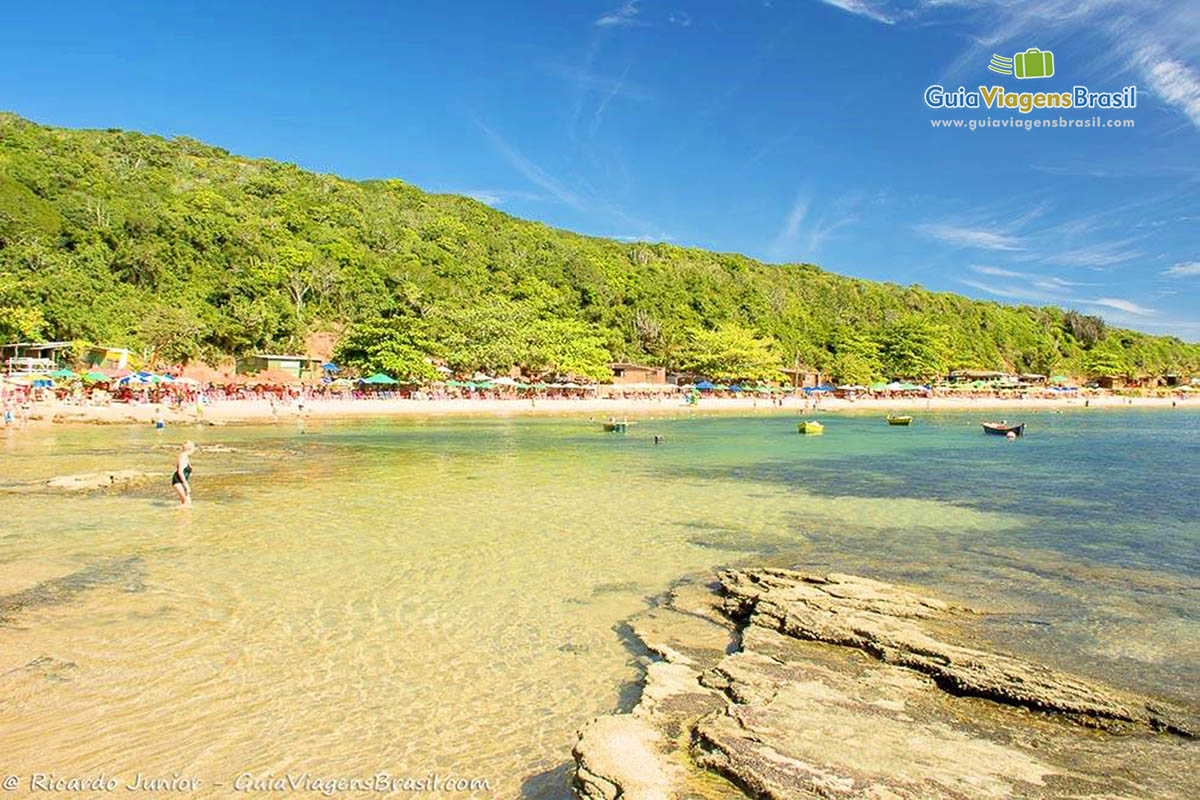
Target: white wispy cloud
1128,306
1011,292
587,80
498,197
1186,269
624,16
998,272
1049,283
791,224
1049,290
1098,255
487,198
643,237
680,18
532,172
804,233
1173,81
982,238
863,8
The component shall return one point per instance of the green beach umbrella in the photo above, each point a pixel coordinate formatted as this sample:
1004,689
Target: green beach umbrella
381,380
95,377
64,373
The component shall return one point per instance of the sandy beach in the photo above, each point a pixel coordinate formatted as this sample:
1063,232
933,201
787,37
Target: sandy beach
259,411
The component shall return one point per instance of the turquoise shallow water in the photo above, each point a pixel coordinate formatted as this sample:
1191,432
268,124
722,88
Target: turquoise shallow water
445,595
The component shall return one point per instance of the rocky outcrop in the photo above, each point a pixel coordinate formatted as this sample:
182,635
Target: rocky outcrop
783,684
119,479
91,481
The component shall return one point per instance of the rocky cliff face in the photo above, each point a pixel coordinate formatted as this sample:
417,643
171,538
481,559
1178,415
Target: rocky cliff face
783,684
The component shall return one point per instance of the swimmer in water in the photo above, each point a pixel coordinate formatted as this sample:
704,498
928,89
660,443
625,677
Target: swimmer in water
181,479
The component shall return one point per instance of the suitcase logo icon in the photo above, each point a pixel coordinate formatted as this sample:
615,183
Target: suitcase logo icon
1033,63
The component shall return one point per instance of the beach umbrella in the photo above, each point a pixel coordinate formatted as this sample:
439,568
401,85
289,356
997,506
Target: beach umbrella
706,385
329,367
185,381
505,381
380,379
444,370
64,373
96,377
735,388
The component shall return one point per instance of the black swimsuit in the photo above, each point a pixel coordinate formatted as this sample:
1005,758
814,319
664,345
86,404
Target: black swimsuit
187,473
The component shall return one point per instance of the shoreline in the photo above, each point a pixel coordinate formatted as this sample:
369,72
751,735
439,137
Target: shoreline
260,411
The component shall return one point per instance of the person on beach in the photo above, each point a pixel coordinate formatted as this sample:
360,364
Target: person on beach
181,479
160,421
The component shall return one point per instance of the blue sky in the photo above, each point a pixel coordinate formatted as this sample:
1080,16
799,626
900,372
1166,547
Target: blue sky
789,131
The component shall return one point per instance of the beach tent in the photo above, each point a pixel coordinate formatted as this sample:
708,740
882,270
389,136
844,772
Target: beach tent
379,379
35,379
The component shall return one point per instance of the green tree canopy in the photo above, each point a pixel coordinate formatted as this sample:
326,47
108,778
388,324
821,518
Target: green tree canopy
730,352
101,230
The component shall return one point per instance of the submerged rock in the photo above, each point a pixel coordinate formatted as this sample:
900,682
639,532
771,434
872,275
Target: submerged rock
783,684
117,479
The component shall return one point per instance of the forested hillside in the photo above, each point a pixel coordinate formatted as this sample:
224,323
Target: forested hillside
185,252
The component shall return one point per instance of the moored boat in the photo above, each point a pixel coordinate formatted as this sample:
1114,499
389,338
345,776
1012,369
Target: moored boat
810,427
615,427
894,420
1003,428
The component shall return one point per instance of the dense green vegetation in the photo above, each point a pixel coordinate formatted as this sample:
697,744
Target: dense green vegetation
185,252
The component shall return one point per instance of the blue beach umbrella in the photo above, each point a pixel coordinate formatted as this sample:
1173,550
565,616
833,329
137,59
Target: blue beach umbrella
706,385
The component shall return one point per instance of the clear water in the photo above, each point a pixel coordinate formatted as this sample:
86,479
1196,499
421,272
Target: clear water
445,596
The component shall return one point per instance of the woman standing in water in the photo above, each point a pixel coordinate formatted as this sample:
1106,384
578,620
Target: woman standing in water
181,479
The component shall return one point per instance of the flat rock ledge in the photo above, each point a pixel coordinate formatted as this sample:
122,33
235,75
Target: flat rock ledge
119,479
781,684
